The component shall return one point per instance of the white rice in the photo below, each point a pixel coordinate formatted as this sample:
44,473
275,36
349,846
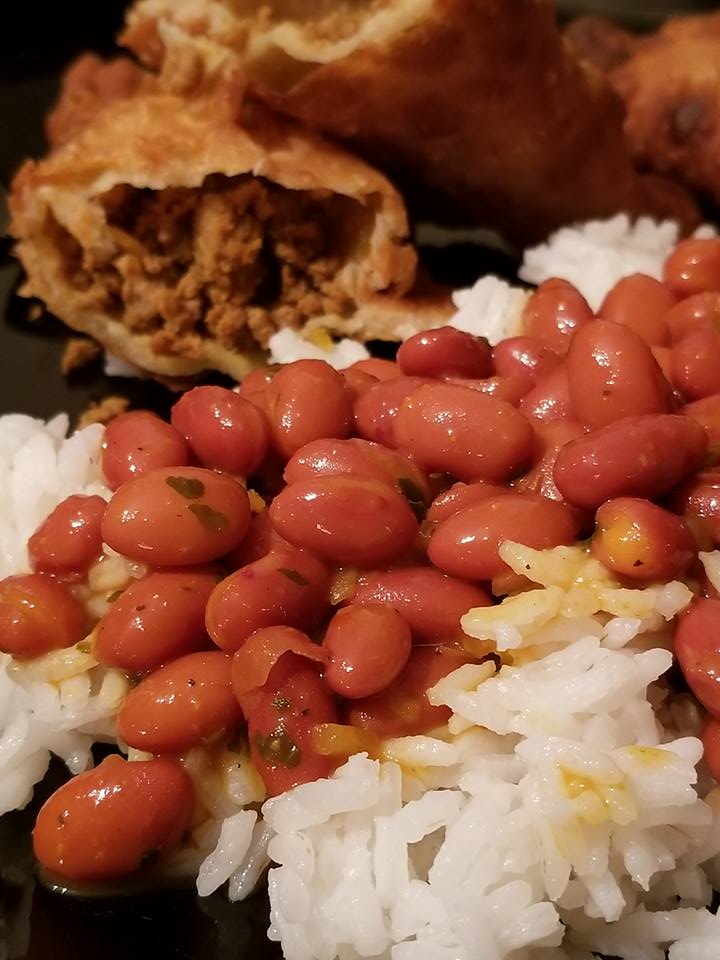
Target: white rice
286,346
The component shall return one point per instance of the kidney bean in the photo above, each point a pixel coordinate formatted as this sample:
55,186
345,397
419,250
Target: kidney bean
640,541
694,313
554,312
38,615
287,587
696,364
135,443
525,358
697,648
377,367
706,412
403,710
369,645
375,411
463,433
612,374
641,303
445,352
180,706
254,386
428,600
253,662
257,542
510,389
280,726
69,540
351,521
461,495
155,619
467,544
550,398
175,517
307,400
711,747
663,358
699,502
639,456
223,430
358,383
550,438
103,824
693,266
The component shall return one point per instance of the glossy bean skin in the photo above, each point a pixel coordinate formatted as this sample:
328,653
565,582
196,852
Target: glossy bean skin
428,600
550,438
155,620
376,410
223,430
612,374
369,645
445,352
711,747
663,358
175,517
461,495
697,647
350,521
637,457
698,312
555,312
404,710
287,587
699,502
358,383
467,544
706,412
693,266
641,303
549,399
307,400
695,364
69,540
254,386
640,541
254,661
510,390
378,368
104,823
184,704
257,542
37,615
462,432
525,358
280,725
135,443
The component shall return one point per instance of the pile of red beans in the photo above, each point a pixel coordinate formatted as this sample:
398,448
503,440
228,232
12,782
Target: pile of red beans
312,614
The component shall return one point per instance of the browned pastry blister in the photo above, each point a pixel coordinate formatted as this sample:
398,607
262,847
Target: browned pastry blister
476,108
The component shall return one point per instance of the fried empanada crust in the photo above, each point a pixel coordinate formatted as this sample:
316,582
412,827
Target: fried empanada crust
476,108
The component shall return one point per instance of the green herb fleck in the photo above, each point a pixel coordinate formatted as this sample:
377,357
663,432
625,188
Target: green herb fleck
297,578
188,487
278,748
413,495
84,646
212,520
281,703
112,597
134,679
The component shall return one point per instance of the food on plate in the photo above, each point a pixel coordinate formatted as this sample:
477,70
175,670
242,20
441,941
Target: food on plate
670,83
182,241
476,109
407,641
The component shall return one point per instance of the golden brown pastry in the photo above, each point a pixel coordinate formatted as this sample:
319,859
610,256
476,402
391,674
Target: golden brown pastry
474,107
181,240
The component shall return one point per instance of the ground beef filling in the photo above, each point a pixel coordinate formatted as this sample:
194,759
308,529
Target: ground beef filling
233,260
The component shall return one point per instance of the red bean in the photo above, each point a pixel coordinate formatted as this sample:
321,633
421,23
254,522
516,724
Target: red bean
287,587
697,648
694,313
550,438
350,521
377,367
280,726
38,615
461,495
135,443
358,383
156,619
663,358
637,457
693,266
554,312
463,433
467,544
69,540
510,389
640,541
699,502
178,517
182,705
706,412
445,352
254,661
404,710
223,430
103,824
257,542
641,303
525,358
375,411
307,400
696,364
369,644
711,747
428,600
612,374
254,386
550,398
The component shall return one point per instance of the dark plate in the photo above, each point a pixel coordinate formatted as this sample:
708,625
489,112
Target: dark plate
36,924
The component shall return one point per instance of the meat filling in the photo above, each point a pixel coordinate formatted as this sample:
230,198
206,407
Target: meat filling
234,260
